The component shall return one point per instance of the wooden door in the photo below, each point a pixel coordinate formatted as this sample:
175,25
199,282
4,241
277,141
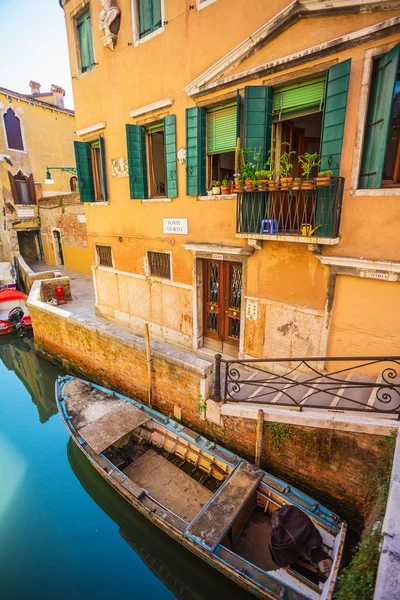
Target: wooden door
222,304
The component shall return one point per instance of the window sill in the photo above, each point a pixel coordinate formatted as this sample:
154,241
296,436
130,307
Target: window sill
377,192
84,73
218,197
155,200
97,203
148,37
299,239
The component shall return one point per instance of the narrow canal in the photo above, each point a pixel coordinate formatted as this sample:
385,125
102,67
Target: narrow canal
64,533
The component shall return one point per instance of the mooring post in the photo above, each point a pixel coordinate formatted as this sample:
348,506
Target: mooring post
259,437
148,360
217,378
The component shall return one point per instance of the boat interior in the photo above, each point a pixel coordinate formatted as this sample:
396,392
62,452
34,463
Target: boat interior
208,494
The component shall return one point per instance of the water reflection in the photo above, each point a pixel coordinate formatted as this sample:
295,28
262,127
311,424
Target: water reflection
185,575
36,374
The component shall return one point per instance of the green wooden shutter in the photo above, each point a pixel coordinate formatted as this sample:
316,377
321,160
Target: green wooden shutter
334,116
83,158
149,16
195,151
170,156
85,41
378,118
238,112
103,168
221,129
301,99
258,119
137,165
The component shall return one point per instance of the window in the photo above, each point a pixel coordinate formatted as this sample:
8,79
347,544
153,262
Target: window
73,184
159,264
149,16
156,159
85,40
91,169
221,123
22,188
104,256
12,125
380,165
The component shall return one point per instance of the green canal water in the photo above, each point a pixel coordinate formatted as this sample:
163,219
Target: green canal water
64,533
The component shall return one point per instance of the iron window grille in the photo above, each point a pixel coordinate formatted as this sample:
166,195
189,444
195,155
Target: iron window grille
159,264
104,256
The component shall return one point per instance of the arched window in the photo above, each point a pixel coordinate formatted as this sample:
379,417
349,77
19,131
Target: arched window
73,184
13,129
22,188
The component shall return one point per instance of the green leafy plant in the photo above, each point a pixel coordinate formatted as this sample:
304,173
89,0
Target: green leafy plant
325,174
277,433
250,163
216,183
308,161
285,166
225,182
202,405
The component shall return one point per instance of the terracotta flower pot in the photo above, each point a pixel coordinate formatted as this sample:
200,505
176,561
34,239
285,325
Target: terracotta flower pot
307,184
273,185
296,185
225,189
286,182
322,181
263,185
250,185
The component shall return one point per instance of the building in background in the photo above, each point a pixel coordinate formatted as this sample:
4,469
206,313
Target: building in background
37,132
160,104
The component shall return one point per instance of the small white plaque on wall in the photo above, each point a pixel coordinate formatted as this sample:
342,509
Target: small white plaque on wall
175,226
81,218
251,309
381,276
217,256
25,212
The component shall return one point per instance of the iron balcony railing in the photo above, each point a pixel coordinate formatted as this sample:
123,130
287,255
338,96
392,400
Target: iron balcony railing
307,212
354,383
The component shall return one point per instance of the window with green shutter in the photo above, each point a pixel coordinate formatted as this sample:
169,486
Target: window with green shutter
137,165
380,165
195,151
85,37
257,120
149,16
91,170
298,100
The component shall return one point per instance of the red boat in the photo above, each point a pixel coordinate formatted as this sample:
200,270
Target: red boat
10,299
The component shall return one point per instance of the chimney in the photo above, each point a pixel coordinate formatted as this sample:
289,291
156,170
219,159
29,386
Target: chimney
35,87
58,95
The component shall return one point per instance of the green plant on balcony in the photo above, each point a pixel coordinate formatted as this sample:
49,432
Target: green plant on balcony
308,162
216,187
285,167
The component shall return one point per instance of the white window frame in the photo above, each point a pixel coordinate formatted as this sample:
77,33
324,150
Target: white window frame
366,79
147,265
204,4
24,151
75,14
137,40
97,260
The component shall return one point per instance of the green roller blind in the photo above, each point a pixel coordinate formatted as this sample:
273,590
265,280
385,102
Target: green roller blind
149,16
83,158
302,98
137,166
257,119
337,86
85,41
195,151
221,129
378,118
170,156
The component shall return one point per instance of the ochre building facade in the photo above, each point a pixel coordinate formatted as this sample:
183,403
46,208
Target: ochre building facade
161,97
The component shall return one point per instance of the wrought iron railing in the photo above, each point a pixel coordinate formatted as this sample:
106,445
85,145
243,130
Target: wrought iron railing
304,385
314,212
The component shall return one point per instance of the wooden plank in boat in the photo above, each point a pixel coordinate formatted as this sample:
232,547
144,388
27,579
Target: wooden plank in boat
167,484
109,428
213,523
134,489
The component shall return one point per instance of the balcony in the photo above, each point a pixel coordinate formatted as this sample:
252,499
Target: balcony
293,215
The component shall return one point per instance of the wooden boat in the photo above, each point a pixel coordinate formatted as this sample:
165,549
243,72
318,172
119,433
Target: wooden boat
211,501
10,299
7,276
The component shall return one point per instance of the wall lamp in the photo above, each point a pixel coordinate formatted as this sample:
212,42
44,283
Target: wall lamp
50,181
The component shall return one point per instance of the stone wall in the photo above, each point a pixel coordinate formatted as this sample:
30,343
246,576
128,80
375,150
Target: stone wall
28,276
48,288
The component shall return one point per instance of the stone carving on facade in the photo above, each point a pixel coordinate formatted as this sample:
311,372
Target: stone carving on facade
181,154
109,21
119,167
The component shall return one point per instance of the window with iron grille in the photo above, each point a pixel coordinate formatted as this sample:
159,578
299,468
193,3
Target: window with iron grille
159,264
104,256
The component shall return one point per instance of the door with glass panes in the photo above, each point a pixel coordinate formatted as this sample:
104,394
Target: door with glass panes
222,302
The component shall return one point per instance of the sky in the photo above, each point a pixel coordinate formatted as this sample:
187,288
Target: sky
33,41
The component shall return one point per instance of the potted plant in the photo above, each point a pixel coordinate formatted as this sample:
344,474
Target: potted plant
285,167
296,183
225,187
249,168
323,178
308,161
216,187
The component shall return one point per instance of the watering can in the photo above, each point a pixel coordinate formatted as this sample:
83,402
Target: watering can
306,229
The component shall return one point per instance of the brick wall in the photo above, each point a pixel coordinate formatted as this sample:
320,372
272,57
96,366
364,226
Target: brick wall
61,212
48,288
336,467
29,277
